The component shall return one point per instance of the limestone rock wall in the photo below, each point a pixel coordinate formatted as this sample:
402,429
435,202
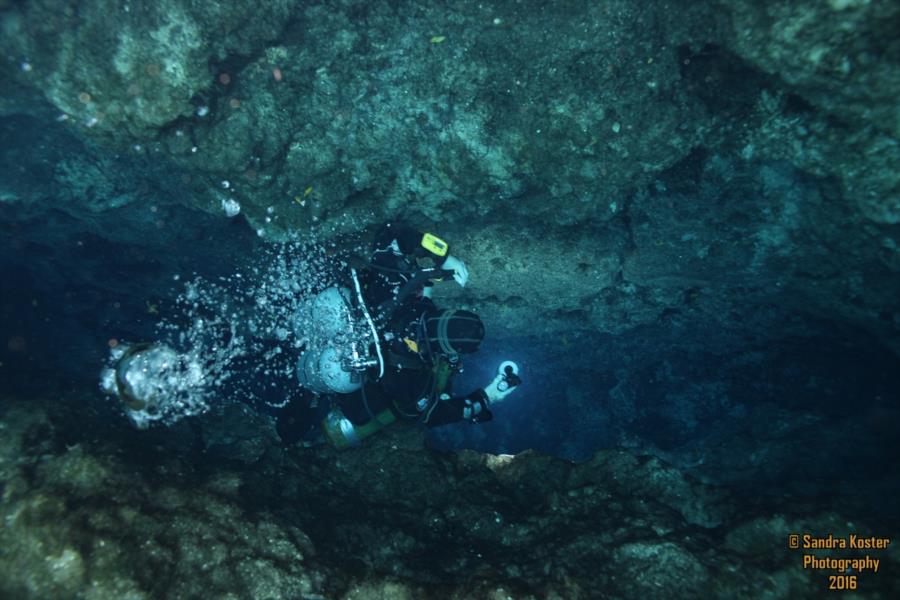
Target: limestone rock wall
544,140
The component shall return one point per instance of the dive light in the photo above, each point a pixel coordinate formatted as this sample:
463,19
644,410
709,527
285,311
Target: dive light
510,372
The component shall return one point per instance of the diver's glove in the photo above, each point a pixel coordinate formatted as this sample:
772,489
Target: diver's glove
504,383
460,272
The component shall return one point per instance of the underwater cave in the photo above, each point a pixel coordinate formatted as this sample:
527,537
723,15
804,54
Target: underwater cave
264,266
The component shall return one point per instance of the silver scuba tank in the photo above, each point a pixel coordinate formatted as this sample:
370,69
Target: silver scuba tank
327,322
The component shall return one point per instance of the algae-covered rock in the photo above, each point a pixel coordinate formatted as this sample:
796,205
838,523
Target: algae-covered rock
108,514
92,521
646,568
494,116
129,70
563,132
841,55
842,58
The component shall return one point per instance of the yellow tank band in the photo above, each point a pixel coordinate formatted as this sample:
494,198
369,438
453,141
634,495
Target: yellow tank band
434,244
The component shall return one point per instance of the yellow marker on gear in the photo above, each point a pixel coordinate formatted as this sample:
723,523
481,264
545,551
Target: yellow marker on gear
437,39
307,191
434,244
411,344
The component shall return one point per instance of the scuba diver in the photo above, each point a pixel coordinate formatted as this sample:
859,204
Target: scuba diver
411,362
373,350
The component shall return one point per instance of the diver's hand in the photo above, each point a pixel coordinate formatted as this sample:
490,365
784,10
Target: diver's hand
498,390
460,272
505,383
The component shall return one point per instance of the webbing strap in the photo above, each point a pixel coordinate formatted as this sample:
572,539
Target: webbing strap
443,324
443,337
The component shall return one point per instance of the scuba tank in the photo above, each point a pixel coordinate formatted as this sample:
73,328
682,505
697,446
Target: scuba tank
329,368
335,358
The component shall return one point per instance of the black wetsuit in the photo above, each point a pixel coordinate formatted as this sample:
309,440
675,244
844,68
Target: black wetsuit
407,387
408,376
